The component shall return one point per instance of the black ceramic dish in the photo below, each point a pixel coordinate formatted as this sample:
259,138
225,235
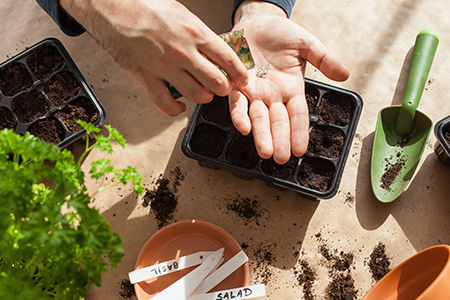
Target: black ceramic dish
42,75
211,139
442,147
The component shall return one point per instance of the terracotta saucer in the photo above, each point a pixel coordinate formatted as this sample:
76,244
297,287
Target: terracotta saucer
184,238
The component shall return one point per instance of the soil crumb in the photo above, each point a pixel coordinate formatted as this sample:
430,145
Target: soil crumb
306,277
391,172
246,208
342,287
126,289
261,260
379,263
162,199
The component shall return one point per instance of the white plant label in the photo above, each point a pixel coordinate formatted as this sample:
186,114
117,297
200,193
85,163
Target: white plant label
247,292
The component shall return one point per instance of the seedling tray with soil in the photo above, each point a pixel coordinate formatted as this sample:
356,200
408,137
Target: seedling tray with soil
43,92
442,146
212,139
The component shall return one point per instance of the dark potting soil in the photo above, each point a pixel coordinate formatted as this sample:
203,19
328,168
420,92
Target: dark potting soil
126,289
246,208
162,199
30,106
379,263
45,61
15,78
242,152
285,171
326,141
208,140
306,278
262,257
336,109
316,174
341,262
342,287
218,111
49,130
391,172
312,97
7,119
80,109
61,88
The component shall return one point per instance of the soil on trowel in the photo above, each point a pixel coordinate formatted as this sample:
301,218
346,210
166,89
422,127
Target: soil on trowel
391,172
379,263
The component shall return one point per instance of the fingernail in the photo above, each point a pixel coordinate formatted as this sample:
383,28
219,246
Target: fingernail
243,82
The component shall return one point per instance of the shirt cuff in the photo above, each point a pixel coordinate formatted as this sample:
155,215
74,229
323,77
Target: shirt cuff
286,5
66,23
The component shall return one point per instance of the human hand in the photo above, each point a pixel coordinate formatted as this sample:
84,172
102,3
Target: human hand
156,41
273,104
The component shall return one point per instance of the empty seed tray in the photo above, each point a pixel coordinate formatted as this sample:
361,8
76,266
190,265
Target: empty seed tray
212,139
43,92
442,146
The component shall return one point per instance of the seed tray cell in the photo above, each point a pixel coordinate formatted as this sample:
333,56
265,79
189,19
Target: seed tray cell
442,146
43,92
212,139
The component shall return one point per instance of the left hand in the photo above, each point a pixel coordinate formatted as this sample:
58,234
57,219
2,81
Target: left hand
274,108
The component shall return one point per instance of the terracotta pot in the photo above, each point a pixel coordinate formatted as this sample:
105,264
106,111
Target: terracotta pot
423,276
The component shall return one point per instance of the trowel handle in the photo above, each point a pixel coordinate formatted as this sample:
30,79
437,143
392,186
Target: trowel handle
423,55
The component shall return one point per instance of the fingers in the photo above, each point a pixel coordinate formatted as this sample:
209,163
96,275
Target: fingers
259,115
299,127
223,56
323,59
239,112
162,99
279,124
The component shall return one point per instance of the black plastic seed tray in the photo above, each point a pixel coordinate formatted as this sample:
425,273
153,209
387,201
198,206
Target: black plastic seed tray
212,139
442,146
43,92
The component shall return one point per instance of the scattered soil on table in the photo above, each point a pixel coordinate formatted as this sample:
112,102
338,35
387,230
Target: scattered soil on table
246,208
218,111
80,109
30,106
379,263
61,88
285,171
312,97
316,174
326,141
342,287
242,152
306,278
45,61
341,262
7,119
262,259
49,130
15,78
391,172
208,140
126,289
336,109
162,199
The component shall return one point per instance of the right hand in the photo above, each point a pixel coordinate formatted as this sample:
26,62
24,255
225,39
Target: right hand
161,40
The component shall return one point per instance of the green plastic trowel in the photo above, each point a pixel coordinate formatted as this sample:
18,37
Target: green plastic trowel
402,131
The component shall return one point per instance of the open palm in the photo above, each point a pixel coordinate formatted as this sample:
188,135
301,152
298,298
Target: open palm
273,105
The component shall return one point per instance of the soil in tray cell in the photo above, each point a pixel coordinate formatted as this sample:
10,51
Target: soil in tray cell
218,111
44,61
7,119
242,152
286,171
326,141
61,88
312,97
30,106
316,173
208,140
49,130
79,109
15,78
336,109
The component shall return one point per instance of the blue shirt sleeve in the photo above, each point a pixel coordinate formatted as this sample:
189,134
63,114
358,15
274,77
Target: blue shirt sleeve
67,24
286,5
